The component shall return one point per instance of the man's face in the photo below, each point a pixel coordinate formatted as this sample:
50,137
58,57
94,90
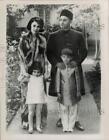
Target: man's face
64,22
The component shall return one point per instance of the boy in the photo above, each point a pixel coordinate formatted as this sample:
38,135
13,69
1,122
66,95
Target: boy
68,89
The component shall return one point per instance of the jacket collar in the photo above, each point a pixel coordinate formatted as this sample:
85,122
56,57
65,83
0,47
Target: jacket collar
62,65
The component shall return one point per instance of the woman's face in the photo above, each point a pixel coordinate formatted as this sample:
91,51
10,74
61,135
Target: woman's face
34,27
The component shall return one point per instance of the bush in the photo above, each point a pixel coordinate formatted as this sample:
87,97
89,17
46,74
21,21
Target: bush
94,80
13,92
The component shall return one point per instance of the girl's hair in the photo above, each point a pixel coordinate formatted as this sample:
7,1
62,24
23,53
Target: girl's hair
38,20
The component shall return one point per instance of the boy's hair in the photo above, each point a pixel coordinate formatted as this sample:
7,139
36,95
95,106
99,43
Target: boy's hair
67,51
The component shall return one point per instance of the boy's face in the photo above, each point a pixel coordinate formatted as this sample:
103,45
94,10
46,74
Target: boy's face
66,59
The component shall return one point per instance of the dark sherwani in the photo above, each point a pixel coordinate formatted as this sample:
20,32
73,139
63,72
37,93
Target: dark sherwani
65,39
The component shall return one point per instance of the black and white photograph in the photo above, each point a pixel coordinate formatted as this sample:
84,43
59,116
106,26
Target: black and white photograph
53,69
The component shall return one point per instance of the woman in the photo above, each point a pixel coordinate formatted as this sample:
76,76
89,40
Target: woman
31,50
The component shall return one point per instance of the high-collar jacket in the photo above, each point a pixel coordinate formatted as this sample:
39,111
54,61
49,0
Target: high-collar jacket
65,39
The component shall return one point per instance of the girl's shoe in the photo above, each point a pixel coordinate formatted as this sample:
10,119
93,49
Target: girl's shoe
30,131
39,130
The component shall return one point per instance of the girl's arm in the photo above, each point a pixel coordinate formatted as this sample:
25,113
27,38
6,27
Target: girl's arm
57,82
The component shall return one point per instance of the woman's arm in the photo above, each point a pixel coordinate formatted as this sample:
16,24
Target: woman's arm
50,52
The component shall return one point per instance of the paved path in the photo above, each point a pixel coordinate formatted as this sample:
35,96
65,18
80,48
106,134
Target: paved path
88,113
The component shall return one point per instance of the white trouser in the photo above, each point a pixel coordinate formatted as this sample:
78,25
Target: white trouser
68,116
59,112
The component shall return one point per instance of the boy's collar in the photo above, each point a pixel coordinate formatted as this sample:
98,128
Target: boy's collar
62,65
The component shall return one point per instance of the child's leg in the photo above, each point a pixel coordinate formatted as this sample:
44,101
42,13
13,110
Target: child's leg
31,108
72,116
38,115
64,117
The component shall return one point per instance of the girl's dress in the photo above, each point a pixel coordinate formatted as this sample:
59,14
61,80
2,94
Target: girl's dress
36,93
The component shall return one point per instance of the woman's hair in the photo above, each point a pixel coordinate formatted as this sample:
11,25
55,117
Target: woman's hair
38,20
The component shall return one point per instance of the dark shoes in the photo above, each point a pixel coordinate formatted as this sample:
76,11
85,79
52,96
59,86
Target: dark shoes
77,125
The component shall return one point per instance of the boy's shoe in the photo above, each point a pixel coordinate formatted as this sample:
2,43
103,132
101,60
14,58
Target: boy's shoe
59,123
79,126
64,130
70,130
39,130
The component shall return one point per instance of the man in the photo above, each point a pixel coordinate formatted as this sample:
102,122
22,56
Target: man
66,38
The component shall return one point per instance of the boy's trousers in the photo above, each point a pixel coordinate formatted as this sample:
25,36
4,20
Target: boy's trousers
68,116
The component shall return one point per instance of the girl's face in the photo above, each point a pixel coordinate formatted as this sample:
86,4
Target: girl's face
36,72
64,22
66,59
34,27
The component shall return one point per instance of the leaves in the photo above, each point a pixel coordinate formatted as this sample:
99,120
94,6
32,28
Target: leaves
13,92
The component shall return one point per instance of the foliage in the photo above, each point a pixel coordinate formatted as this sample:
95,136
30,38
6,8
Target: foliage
12,86
94,80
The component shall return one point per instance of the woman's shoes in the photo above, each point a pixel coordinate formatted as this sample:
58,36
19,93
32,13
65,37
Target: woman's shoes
39,130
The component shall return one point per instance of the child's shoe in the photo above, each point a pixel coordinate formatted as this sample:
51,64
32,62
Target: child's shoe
39,130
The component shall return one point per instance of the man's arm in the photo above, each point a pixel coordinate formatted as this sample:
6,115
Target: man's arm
82,52
50,51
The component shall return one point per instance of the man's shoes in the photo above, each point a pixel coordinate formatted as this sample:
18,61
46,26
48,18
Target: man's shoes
59,123
79,126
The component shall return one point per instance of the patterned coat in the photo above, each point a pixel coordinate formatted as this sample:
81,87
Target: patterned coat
65,39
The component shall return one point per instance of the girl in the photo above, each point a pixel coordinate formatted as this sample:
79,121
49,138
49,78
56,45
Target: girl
35,97
68,89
